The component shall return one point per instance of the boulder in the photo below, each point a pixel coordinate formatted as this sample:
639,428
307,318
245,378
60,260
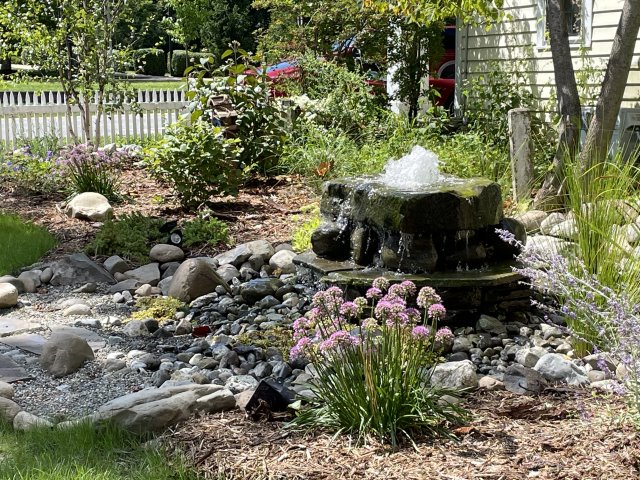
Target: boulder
262,249
13,281
490,324
240,383
24,421
6,390
557,368
129,285
236,256
331,241
528,357
523,381
136,328
79,269
8,295
146,274
219,401
164,253
193,279
30,280
458,375
283,261
115,264
8,410
567,230
228,272
64,353
77,309
552,219
89,206
257,289
532,219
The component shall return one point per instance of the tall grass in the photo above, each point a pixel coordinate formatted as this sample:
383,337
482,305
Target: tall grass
85,452
21,243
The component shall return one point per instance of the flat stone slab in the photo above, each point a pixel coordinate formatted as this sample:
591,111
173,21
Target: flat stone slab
29,342
13,326
324,266
10,371
94,340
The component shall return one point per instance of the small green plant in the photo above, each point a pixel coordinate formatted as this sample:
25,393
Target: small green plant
205,229
22,243
129,236
302,235
158,308
374,358
30,169
279,338
198,161
91,170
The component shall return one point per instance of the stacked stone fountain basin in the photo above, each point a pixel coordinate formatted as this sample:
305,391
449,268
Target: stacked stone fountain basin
413,222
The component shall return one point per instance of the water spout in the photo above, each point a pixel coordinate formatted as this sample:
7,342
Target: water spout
415,170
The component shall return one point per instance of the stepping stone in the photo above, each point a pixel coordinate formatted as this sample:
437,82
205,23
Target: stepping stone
95,341
29,342
10,371
12,326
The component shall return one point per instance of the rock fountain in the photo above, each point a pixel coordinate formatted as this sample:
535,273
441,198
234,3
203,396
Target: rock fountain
414,222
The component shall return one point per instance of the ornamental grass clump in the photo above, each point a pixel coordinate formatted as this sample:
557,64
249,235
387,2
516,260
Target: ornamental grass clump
374,357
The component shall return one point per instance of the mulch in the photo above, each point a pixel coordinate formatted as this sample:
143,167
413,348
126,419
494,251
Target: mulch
563,434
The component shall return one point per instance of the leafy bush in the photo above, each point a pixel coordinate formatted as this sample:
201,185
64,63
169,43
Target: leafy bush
22,243
197,161
130,236
31,168
158,308
374,377
91,170
180,60
205,229
150,61
302,235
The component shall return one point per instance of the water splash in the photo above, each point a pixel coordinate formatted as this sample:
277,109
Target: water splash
415,170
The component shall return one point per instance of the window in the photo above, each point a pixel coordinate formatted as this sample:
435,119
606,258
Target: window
578,15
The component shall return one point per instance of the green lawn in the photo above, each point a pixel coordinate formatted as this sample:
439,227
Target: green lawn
53,85
85,452
21,243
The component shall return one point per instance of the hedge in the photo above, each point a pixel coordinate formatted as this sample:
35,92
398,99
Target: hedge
150,61
178,62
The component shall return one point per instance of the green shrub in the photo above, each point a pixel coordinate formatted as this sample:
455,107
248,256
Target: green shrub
150,61
373,378
180,60
197,161
158,308
205,229
130,236
21,243
302,234
32,167
278,337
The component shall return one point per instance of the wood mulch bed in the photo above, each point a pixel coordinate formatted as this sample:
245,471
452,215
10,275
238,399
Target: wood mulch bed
563,434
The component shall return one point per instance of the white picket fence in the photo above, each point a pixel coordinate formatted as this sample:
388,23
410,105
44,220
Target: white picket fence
25,115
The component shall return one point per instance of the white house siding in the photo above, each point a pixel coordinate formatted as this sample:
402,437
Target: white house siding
514,44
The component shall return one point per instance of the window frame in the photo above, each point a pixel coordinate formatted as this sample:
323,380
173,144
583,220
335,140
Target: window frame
577,41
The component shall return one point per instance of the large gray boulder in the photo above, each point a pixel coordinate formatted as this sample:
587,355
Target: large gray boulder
89,206
283,261
556,368
262,249
164,253
194,278
8,295
146,274
79,269
64,353
236,256
458,375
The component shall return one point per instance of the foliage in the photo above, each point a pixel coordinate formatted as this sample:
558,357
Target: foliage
27,169
88,169
278,337
143,24
323,28
180,60
158,308
260,127
150,61
426,11
373,377
204,229
217,23
85,452
23,243
129,236
302,234
197,161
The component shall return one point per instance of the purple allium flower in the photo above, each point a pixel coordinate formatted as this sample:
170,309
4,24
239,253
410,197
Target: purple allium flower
427,296
437,311
374,292
339,338
409,287
444,332
380,283
349,309
360,303
420,331
300,348
369,323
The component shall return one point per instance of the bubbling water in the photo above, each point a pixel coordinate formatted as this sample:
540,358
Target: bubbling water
417,169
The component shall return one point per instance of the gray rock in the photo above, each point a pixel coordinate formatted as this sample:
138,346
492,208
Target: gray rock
129,285
523,381
528,357
552,219
608,386
193,279
546,246
89,206
77,309
30,280
79,269
228,272
13,281
24,421
236,256
86,288
283,261
8,410
6,390
115,264
490,324
556,368
532,219
461,344
599,361
458,375
8,295
240,383
164,253
254,290
490,383
64,353
219,401
183,328
136,328
168,269
45,276
261,249
262,370
549,331
146,274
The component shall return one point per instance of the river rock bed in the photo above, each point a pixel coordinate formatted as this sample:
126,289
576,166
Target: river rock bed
232,336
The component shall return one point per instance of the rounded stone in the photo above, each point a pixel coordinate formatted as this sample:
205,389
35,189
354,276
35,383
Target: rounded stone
166,253
90,206
8,295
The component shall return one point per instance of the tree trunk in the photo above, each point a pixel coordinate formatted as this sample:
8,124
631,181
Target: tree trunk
615,80
549,196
